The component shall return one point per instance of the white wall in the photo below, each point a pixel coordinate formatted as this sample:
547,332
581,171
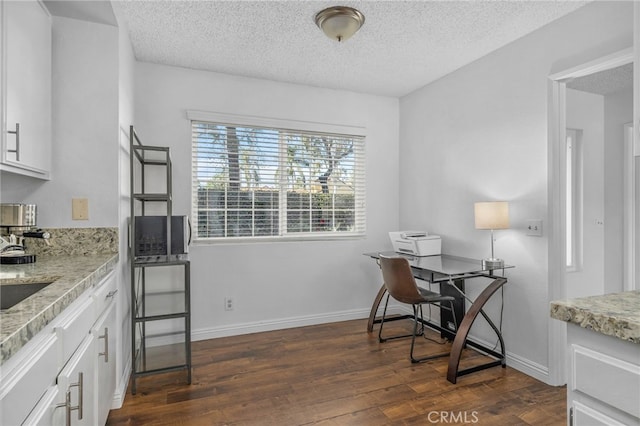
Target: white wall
480,133
279,284
85,121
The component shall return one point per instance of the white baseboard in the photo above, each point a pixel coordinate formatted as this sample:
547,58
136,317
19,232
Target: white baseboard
277,324
528,367
121,386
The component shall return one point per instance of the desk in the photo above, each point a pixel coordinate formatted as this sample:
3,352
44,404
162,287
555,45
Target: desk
450,272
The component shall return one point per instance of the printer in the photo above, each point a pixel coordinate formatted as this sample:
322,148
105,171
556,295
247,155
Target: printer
417,243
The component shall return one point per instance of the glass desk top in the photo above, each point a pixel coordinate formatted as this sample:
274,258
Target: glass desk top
444,264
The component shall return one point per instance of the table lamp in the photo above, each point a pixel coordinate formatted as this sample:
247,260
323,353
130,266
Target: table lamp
492,215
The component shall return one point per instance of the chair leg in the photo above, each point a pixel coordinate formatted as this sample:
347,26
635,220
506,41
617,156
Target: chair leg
415,360
453,315
384,313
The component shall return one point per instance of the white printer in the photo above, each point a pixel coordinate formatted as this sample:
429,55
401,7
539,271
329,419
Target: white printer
417,243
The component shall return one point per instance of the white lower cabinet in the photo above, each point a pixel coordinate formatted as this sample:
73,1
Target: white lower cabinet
66,375
604,379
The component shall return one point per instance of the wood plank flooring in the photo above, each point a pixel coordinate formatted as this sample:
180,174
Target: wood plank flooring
336,374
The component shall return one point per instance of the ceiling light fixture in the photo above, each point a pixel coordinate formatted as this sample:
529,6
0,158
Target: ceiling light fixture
339,22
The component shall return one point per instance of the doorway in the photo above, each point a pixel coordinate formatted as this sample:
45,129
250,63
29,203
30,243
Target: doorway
590,106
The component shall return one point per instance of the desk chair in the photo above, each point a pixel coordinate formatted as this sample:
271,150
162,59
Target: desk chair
401,285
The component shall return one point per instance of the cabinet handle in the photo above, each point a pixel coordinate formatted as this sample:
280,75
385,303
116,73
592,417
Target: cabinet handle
571,416
105,336
67,408
79,385
67,401
111,293
17,133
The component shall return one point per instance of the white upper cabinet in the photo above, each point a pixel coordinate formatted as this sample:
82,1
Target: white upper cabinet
26,88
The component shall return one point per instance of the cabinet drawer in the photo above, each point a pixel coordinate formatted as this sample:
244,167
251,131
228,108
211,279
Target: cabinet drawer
104,294
23,386
585,416
608,379
43,413
75,326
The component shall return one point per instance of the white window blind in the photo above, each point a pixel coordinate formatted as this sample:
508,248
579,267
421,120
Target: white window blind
261,182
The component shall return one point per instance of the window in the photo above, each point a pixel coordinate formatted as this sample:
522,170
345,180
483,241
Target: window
573,199
257,181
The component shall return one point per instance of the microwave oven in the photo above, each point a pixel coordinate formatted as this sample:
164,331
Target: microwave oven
151,235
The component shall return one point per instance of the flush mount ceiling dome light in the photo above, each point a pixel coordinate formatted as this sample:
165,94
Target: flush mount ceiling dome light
339,22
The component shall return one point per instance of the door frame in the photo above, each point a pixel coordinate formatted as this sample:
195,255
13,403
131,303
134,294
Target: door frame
557,289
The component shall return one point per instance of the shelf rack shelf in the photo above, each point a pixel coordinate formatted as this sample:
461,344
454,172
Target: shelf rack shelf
147,324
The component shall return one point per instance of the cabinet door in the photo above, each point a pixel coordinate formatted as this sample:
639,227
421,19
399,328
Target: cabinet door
76,384
105,357
27,67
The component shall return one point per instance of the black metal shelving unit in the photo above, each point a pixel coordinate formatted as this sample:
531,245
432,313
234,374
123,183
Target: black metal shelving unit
147,318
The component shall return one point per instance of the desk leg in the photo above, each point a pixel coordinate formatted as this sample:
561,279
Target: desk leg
374,308
463,331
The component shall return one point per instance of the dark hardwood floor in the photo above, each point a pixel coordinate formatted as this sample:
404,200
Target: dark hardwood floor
335,374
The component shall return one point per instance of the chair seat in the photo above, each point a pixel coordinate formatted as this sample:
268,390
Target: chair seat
432,296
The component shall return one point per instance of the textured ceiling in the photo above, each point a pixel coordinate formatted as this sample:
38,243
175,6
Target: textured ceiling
605,82
402,46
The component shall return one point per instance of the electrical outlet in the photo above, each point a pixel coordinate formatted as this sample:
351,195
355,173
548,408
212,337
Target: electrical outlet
228,304
79,209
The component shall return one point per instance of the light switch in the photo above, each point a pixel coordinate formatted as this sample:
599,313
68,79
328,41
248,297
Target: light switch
80,209
534,228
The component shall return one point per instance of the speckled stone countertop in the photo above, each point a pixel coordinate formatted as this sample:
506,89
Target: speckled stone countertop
616,314
71,276
70,266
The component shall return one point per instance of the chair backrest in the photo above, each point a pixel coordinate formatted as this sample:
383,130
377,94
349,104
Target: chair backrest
398,279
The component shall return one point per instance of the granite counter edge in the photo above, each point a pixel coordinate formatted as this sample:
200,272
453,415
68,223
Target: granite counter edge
599,323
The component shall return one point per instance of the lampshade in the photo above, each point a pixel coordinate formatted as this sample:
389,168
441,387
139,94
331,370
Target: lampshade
339,22
492,215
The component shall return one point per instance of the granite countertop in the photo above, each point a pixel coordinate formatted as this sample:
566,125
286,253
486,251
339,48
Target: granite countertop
70,276
616,314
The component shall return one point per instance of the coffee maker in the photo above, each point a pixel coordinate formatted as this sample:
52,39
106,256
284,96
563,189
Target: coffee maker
17,222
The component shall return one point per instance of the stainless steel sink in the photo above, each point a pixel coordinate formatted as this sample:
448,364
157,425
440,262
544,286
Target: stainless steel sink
12,294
